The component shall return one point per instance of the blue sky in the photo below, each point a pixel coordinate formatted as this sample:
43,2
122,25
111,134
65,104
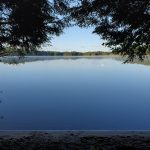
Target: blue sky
76,39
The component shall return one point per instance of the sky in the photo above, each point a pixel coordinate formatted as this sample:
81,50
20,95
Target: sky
76,39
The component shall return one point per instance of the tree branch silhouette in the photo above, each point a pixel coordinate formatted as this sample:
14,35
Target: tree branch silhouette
123,24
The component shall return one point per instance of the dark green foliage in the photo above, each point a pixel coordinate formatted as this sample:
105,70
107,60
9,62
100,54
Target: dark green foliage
124,24
26,24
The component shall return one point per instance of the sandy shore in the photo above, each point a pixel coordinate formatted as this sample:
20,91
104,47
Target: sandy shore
74,140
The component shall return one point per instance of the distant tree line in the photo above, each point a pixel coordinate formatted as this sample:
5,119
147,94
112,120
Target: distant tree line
73,53
13,52
123,24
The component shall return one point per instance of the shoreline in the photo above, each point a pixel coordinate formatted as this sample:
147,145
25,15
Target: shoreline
79,132
74,140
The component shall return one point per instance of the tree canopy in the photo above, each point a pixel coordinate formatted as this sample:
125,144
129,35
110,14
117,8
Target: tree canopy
26,24
123,24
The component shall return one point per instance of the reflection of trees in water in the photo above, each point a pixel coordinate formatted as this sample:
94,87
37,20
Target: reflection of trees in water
14,60
145,61
1,92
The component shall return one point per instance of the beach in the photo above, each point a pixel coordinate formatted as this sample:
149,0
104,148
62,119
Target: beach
74,140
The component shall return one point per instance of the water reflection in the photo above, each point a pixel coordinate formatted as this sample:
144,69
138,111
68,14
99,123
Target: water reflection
14,60
1,92
75,94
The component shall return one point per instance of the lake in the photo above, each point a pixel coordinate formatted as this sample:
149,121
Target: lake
74,93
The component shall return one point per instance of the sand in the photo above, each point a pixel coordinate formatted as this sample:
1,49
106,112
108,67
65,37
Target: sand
74,140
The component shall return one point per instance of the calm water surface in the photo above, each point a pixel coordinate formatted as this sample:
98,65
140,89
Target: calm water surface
75,94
